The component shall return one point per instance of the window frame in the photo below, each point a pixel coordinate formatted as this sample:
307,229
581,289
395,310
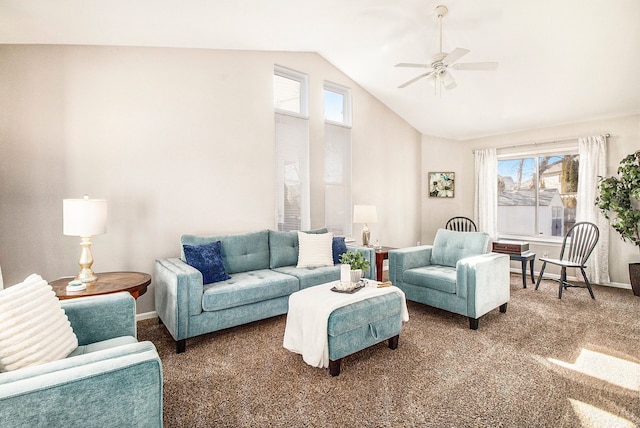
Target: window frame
347,104
536,152
301,78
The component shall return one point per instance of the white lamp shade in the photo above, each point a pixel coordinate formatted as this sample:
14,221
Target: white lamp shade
365,214
84,217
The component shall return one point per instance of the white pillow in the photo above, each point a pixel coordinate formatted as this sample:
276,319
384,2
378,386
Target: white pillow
33,327
314,249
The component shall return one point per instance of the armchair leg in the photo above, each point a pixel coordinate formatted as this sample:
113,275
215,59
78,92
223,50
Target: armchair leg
181,345
334,367
503,308
473,323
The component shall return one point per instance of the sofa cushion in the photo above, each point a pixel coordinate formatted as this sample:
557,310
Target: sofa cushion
208,260
241,253
450,246
338,248
248,287
283,247
33,327
308,277
437,277
315,250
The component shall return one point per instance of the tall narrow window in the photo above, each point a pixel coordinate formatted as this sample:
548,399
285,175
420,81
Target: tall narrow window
292,197
337,170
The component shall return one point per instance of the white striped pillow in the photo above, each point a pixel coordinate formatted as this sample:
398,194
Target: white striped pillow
315,249
33,327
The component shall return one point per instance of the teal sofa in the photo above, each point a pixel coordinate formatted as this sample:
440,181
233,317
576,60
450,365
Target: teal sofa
263,271
110,380
456,273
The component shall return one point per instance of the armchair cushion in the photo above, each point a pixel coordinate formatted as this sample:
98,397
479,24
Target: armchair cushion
442,278
33,327
450,246
208,260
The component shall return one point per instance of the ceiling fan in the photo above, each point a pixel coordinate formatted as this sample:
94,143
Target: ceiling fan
441,63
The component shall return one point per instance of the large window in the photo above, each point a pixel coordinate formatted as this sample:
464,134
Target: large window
337,168
537,193
292,197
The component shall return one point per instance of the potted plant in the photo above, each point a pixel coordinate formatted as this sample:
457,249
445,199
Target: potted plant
619,201
357,262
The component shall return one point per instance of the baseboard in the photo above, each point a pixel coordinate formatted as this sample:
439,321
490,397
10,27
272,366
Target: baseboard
571,278
146,316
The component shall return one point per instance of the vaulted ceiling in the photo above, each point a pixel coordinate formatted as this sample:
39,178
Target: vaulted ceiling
560,61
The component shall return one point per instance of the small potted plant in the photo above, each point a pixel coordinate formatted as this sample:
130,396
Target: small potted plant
619,202
357,262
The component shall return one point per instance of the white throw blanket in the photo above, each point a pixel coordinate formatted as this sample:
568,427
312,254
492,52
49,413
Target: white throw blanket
309,309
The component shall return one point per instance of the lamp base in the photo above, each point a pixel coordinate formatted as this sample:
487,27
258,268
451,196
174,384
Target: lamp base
366,235
86,275
86,261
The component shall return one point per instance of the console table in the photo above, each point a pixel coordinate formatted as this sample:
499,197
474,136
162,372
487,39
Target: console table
135,283
523,258
382,254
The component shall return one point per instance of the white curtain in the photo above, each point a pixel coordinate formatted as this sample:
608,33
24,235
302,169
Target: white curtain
593,164
486,194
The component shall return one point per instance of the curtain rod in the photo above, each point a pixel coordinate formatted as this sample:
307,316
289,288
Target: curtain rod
543,142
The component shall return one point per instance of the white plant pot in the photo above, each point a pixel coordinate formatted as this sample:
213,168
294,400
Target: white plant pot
356,275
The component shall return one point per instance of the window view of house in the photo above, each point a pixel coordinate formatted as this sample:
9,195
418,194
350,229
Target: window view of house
537,195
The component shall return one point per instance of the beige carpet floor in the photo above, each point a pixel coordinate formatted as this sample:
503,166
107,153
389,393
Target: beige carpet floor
547,362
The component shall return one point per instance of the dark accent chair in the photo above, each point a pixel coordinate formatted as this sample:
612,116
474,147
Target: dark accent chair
581,240
461,224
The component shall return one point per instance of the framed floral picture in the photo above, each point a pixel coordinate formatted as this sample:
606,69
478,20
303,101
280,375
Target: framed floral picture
442,184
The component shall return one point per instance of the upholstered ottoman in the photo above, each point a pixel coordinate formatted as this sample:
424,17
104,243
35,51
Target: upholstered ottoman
359,325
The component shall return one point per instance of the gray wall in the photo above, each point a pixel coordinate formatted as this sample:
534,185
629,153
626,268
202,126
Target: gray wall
447,155
178,141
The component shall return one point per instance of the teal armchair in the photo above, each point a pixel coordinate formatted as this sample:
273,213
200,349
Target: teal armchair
110,380
455,274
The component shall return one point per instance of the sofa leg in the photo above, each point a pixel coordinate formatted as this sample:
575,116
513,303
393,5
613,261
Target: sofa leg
334,367
473,323
503,308
393,342
181,345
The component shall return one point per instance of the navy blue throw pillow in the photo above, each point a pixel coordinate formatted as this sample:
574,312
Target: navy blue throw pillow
208,260
339,248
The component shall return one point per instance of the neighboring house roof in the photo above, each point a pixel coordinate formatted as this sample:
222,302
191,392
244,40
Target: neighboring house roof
527,197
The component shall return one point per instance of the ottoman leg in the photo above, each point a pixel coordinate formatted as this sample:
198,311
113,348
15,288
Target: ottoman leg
393,342
334,367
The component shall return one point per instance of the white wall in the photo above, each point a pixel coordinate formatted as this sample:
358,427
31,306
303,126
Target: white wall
178,141
439,154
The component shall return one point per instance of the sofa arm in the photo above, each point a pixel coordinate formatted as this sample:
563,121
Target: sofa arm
120,386
97,318
484,281
178,294
403,259
369,254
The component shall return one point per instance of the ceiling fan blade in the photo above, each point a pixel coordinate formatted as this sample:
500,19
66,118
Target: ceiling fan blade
455,55
409,64
485,66
415,79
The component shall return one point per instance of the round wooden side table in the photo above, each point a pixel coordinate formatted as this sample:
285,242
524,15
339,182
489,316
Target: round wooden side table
135,283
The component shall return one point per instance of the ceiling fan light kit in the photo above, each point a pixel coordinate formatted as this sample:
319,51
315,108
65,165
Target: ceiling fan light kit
439,72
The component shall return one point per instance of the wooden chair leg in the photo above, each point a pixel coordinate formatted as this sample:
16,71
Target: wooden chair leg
563,280
586,281
544,265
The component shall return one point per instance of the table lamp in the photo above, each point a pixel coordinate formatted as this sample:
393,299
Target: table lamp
365,214
85,218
